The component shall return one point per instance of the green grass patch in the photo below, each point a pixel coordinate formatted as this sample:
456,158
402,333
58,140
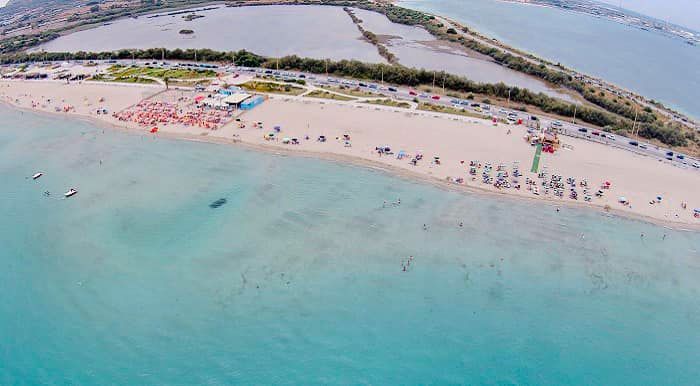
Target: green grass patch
179,73
129,79
327,95
274,88
448,110
388,102
356,91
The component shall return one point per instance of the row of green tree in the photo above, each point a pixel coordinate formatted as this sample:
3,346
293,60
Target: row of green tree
394,74
557,77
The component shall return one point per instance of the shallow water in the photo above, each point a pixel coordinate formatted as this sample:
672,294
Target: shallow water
651,64
297,278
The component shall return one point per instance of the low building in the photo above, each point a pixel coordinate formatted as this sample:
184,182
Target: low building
235,100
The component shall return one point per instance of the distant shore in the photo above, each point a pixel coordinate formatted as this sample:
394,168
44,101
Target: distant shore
454,139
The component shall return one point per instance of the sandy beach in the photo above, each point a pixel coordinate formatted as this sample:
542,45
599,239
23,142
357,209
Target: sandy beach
457,141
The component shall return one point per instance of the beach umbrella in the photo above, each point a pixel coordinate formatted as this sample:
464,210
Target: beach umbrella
658,198
154,130
622,199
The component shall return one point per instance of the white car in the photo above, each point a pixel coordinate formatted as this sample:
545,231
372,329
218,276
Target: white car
696,165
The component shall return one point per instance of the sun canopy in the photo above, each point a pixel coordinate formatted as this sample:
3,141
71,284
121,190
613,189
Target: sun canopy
237,98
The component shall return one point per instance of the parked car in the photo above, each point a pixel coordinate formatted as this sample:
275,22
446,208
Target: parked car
583,129
391,89
436,97
634,143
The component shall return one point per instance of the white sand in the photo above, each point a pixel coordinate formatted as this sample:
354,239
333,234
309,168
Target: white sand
638,178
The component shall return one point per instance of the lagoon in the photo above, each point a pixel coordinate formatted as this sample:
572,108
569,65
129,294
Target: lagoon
311,31
651,64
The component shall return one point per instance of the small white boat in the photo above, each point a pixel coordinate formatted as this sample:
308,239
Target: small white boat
70,192
37,175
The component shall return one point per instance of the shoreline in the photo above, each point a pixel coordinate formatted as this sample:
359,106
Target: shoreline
431,176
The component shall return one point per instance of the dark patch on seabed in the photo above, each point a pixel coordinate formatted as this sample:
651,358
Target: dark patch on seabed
218,203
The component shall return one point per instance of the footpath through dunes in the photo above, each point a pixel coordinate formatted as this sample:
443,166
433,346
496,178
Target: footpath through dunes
454,141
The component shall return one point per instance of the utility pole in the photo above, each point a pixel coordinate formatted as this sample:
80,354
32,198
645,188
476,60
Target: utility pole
635,120
326,68
162,54
574,120
444,76
382,76
433,79
508,104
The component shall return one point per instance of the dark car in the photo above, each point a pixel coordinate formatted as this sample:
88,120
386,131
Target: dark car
583,129
634,143
391,89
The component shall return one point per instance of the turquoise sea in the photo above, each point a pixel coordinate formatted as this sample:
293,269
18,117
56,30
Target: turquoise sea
297,278
649,63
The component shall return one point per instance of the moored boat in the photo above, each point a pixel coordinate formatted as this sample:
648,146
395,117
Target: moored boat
37,175
70,192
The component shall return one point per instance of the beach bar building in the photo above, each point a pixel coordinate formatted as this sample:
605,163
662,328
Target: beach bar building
235,100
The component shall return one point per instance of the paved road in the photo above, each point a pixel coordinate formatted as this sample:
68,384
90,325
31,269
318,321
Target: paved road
513,116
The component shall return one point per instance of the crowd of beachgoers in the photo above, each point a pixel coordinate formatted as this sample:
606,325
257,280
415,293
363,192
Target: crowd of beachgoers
462,152
178,110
